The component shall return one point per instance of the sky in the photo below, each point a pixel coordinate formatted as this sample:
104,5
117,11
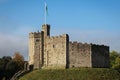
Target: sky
86,21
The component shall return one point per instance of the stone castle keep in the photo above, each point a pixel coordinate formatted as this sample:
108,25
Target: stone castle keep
58,52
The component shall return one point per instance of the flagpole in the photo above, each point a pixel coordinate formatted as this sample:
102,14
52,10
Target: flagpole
45,12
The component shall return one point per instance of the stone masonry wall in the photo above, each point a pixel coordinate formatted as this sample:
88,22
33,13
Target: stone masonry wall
38,53
31,48
100,56
35,51
56,51
79,55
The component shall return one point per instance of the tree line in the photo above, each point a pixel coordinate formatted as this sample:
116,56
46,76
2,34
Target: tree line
10,65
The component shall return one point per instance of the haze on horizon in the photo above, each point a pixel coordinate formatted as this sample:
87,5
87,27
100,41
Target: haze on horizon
90,21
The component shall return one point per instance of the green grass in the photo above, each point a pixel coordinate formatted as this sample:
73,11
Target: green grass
73,74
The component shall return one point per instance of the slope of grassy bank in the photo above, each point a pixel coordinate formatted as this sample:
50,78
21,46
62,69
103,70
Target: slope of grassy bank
73,74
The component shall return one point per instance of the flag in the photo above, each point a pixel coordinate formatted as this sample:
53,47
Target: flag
46,9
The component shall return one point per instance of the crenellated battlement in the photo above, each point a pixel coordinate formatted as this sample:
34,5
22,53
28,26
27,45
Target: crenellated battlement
60,36
97,45
77,43
35,34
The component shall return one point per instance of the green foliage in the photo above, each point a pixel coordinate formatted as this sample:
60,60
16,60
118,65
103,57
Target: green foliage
115,60
113,56
9,66
73,74
3,63
117,64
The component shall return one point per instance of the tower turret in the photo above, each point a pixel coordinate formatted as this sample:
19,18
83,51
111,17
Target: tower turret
46,29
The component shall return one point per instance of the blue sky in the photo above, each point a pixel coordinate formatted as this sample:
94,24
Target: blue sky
91,21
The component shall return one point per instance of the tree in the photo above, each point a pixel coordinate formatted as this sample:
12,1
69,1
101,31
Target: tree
115,60
9,66
117,63
11,69
3,63
19,59
113,56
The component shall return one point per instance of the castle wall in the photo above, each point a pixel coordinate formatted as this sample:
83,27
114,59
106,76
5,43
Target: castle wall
100,56
56,51
31,48
79,55
38,54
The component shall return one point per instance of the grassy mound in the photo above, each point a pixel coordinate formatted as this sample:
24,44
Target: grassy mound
73,74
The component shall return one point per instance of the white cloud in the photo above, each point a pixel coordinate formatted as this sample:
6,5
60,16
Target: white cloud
9,44
15,40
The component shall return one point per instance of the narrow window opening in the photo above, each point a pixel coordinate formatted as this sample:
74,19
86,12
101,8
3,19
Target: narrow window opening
53,46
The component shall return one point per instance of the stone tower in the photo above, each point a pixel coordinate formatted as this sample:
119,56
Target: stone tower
36,49
37,44
46,51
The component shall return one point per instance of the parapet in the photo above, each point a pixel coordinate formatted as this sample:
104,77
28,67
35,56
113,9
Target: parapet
77,43
60,36
74,43
35,34
78,46
100,46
